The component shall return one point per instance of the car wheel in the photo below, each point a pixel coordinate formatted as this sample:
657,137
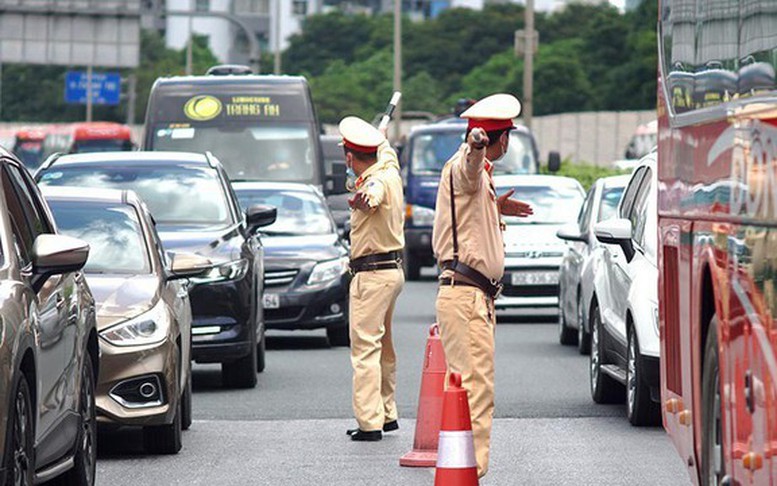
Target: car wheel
83,471
18,462
566,336
583,338
261,349
640,408
713,466
164,439
186,404
411,266
604,389
339,335
240,373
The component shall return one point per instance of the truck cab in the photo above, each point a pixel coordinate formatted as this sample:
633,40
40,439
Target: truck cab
427,150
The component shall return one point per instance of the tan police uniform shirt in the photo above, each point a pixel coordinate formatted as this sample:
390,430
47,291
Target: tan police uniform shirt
479,225
382,229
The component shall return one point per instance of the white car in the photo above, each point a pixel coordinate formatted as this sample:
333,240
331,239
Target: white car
577,268
624,311
533,252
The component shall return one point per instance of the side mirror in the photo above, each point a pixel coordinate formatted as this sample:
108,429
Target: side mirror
55,255
554,161
260,216
336,180
571,232
616,231
188,265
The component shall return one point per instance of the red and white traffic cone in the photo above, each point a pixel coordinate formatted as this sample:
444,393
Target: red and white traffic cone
456,465
427,426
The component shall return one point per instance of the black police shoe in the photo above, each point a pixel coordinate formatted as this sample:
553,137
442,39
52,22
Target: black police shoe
359,435
391,426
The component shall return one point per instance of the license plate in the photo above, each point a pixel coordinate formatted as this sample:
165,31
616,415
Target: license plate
534,278
271,301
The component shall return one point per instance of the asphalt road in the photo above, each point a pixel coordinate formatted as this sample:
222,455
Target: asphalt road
290,430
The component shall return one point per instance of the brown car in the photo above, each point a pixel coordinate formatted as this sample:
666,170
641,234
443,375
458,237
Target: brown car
143,312
48,342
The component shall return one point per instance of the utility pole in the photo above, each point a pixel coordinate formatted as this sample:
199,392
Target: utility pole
132,96
89,93
528,64
277,60
398,67
189,46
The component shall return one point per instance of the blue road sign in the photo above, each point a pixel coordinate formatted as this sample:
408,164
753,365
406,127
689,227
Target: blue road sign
106,88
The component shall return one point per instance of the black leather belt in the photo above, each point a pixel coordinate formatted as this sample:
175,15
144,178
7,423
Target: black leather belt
378,261
492,288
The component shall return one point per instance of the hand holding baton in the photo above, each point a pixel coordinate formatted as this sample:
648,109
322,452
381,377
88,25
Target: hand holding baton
386,118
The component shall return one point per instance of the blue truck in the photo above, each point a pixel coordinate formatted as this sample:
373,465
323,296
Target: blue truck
423,156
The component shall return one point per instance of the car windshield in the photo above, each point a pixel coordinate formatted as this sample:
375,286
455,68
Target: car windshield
299,212
552,204
274,153
113,231
430,151
611,196
29,152
176,195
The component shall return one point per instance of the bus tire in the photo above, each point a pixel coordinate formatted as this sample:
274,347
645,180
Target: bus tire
713,466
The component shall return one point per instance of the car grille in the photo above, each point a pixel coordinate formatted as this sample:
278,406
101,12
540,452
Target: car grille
530,291
278,278
291,313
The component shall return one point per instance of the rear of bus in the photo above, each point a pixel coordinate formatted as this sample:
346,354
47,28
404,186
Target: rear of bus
28,146
717,227
261,128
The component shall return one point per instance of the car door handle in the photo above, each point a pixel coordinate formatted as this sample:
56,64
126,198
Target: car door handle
60,301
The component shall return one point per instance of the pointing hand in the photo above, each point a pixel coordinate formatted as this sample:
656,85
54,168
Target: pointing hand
513,207
359,201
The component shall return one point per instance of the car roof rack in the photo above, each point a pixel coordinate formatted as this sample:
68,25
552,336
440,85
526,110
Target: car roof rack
229,70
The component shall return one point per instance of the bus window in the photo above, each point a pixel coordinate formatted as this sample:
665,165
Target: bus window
757,42
279,152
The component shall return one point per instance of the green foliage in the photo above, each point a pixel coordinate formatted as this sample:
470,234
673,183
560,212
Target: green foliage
585,173
591,57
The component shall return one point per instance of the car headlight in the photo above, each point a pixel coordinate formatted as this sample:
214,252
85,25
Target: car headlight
233,270
328,270
420,216
148,328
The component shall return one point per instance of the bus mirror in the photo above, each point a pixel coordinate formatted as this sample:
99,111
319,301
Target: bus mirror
554,161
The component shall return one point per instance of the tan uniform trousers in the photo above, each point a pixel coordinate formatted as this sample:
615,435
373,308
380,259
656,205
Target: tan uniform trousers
467,323
373,295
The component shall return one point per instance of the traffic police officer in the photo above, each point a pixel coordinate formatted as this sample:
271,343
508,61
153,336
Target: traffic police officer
467,242
377,241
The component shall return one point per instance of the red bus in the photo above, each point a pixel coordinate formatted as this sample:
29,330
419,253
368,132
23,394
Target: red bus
28,146
88,137
717,231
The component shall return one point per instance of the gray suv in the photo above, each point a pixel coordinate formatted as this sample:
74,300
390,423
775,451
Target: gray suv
48,342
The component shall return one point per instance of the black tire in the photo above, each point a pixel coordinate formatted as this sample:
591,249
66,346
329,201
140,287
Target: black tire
566,335
240,373
164,439
20,435
339,335
713,465
412,266
85,467
583,337
640,408
186,404
604,389
261,351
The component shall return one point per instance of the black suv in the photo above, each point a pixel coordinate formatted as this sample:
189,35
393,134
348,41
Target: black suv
48,342
196,211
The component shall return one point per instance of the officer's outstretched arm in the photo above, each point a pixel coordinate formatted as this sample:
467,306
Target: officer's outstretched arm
472,164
